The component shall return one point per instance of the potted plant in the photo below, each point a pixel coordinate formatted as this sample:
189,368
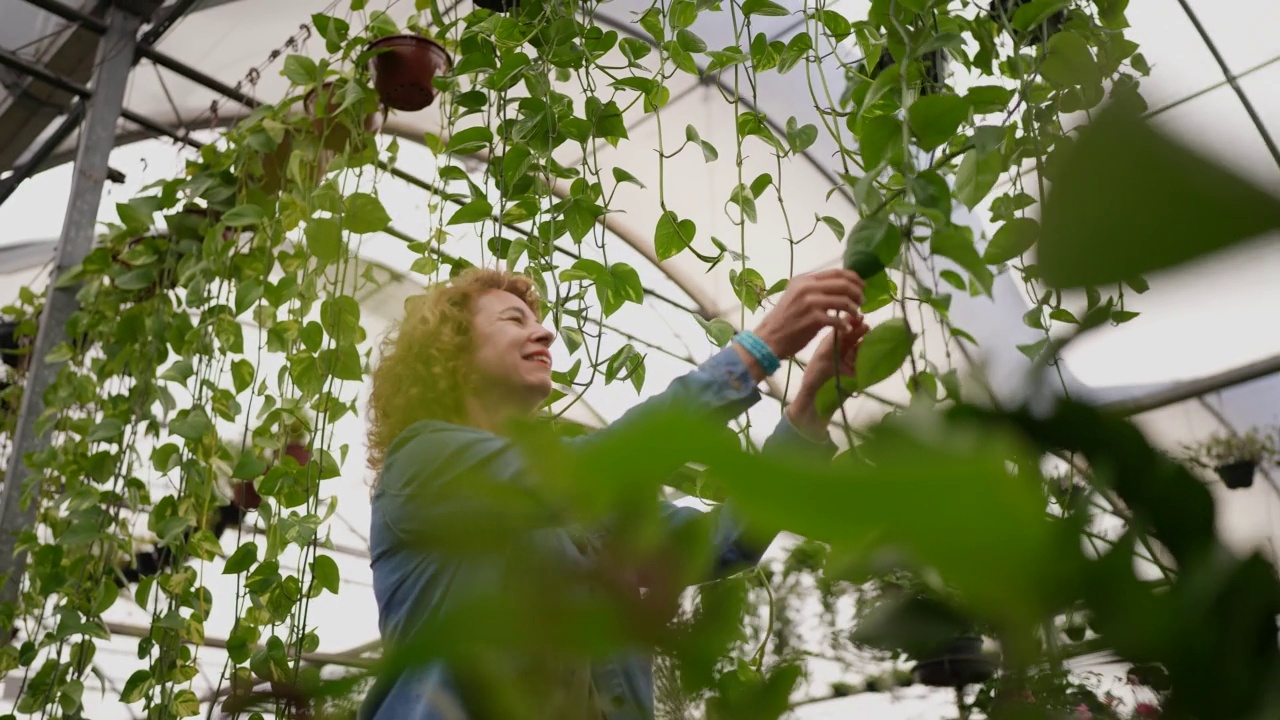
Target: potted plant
403,67
1003,12
1235,457
905,615
327,108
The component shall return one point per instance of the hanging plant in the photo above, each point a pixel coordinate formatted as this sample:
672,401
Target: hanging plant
1235,457
1030,23
403,69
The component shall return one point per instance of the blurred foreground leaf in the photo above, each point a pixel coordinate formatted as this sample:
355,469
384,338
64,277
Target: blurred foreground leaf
1126,200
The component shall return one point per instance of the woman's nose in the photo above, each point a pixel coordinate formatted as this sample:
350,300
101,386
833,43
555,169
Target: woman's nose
544,336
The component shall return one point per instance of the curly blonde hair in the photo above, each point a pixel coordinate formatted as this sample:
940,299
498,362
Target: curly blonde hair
425,361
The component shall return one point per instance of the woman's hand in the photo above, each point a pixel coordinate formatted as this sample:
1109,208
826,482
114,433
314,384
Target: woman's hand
827,298
803,412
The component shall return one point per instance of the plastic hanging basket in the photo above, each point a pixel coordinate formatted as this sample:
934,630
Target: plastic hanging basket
329,125
403,67
957,663
1237,475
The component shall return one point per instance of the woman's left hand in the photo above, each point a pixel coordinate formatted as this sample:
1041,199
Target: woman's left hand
803,412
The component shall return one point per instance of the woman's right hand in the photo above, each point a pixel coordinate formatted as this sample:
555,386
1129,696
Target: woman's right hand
827,298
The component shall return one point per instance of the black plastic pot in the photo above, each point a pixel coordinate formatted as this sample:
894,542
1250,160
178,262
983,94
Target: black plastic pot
1002,12
958,663
1238,474
935,69
498,6
10,350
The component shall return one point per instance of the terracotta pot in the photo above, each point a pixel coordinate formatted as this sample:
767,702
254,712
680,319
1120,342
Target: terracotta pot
246,496
1237,475
403,68
334,133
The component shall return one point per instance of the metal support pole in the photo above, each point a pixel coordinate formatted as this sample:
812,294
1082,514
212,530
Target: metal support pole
113,61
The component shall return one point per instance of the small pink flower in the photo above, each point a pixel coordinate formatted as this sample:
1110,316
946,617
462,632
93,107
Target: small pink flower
1083,713
1147,710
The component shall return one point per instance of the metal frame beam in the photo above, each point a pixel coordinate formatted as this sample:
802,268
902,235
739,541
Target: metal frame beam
75,112
113,63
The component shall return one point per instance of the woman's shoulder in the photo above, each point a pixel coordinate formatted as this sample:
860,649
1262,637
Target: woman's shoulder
427,448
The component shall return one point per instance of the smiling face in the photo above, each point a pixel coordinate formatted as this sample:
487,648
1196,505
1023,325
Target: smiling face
511,355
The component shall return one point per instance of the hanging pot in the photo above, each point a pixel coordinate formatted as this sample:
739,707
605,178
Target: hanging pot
1238,474
275,166
1002,11
935,69
959,662
498,6
403,67
328,125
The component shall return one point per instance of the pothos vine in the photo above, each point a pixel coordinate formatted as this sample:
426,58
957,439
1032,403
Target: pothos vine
261,231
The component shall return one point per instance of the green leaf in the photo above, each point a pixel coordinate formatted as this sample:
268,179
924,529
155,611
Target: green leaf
709,153
626,281
766,8
242,559
622,176
690,42
136,687
800,137
324,239
191,424
989,99
1036,12
956,243
326,575
930,191
883,351
1013,239
918,6
248,293
243,216
881,140
138,279
476,210
1127,201
364,214
719,331
672,235
109,429
186,703
1068,61
934,119
249,466
301,70
179,372
873,245
241,374
976,176
470,140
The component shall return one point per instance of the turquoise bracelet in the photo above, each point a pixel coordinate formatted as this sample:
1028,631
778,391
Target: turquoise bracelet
759,350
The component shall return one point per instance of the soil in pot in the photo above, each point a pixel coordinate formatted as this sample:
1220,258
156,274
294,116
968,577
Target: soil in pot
403,67
1237,475
1002,12
334,133
959,662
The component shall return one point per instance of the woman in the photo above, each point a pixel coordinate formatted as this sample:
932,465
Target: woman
469,359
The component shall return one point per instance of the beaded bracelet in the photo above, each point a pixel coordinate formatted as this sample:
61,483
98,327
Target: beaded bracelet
759,350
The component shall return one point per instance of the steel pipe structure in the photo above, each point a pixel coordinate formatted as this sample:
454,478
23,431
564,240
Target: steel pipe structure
75,112
113,63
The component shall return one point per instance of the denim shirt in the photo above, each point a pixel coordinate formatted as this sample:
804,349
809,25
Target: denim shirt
412,584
